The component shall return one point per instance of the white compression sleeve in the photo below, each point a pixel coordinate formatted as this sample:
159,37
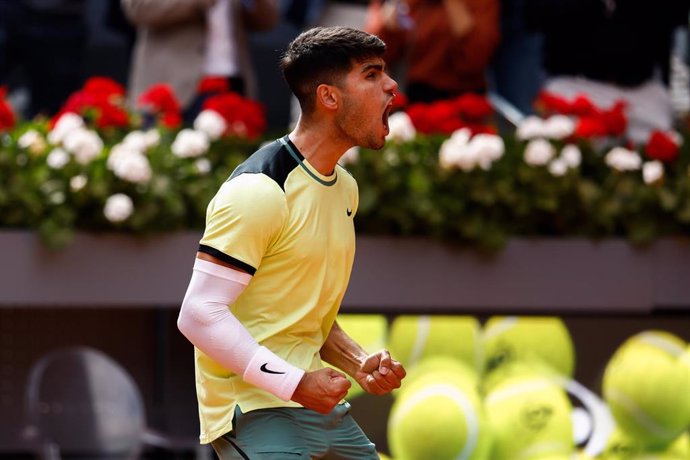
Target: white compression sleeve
205,319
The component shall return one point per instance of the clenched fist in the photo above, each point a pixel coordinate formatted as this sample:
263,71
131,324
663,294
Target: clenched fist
321,390
379,373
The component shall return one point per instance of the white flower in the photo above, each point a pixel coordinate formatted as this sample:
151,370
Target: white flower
203,166
461,151
29,139
452,151
572,155
530,127
466,158
190,143
118,208
66,123
116,154
622,159
84,144
351,155
652,171
559,127
136,140
134,168
77,183
558,167
210,123
538,152
152,138
56,197
400,127
487,148
390,156
57,158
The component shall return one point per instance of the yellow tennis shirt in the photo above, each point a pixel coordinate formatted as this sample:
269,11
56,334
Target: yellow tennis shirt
292,228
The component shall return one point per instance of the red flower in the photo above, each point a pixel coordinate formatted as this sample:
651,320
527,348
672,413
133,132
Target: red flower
7,117
662,147
421,118
551,103
473,107
103,86
171,120
112,116
593,121
213,85
443,110
159,98
588,127
100,100
582,106
244,117
615,120
160,101
449,125
445,117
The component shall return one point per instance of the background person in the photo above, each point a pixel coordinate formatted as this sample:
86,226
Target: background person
180,42
611,50
443,46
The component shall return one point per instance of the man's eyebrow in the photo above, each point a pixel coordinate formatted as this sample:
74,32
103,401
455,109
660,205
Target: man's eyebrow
372,66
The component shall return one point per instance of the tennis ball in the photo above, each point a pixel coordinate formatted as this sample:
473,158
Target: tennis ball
415,337
529,418
518,369
369,331
646,385
439,417
383,456
573,456
537,339
622,446
443,368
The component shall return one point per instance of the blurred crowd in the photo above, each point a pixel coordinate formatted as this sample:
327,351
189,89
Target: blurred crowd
509,50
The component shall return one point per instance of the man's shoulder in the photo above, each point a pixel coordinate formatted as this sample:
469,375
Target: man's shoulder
272,160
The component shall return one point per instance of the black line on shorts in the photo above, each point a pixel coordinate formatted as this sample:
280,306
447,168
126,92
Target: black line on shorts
237,448
227,259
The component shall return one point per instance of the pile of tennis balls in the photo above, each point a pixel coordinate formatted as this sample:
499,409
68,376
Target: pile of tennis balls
499,390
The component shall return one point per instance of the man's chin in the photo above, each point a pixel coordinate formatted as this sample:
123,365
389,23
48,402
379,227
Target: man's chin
375,144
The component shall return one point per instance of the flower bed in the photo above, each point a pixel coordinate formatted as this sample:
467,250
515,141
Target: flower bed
444,172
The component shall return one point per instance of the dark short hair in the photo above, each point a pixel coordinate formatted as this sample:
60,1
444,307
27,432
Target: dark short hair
324,55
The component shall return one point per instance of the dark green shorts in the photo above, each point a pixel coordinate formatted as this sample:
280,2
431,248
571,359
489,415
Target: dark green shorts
295,433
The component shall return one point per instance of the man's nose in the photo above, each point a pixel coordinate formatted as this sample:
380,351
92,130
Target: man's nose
390,85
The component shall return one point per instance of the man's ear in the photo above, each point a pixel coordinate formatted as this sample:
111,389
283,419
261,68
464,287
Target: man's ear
328,96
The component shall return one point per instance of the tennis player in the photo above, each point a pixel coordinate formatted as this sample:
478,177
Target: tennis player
274,263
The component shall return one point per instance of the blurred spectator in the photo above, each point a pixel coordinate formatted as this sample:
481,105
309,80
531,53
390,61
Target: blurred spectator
182,42
445,46
42,49
111,40
516,68
611,50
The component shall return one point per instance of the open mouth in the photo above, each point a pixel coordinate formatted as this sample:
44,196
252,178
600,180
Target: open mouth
386,114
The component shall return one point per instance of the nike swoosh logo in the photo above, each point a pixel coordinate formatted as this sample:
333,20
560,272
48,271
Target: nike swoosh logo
268,371
349,212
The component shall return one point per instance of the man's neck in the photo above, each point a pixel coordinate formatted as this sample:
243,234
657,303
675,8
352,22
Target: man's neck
320,144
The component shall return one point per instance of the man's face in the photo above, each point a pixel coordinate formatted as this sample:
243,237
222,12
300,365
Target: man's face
367,99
